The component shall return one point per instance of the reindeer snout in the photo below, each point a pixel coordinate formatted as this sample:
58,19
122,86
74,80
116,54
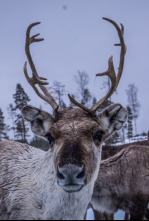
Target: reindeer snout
71,177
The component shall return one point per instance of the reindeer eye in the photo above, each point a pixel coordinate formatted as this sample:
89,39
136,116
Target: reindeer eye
98,136
50,138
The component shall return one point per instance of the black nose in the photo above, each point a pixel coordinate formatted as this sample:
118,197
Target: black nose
71,177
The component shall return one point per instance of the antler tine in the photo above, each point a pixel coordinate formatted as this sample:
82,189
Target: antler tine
80,105
111,72
35,79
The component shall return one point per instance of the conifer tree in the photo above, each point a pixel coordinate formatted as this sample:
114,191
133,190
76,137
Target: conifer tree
20,99
133,103
12,115
130,124
123,132
3,128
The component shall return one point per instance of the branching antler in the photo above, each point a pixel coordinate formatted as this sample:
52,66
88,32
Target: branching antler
110,72
35,79
42,82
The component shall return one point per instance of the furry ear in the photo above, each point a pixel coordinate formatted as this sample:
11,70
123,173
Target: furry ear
41,121
112,119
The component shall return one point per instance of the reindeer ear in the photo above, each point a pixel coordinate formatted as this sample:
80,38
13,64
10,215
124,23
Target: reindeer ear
41,121
112,119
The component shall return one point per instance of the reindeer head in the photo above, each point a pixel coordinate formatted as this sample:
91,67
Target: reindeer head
75,135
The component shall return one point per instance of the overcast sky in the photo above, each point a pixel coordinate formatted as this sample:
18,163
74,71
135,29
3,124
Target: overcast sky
76,38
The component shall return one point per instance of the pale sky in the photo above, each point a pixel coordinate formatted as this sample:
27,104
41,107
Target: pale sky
76,38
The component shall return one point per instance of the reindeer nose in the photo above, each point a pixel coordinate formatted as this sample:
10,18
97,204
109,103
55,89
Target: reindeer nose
71,177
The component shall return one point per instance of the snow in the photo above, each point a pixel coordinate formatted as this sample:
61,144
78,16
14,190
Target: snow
90,214
132,140
120,215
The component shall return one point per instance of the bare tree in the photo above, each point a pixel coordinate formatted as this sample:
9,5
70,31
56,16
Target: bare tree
107,84
58,91
82,79
133,102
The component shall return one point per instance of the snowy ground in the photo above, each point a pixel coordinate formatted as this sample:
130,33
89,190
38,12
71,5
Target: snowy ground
132,140
120,215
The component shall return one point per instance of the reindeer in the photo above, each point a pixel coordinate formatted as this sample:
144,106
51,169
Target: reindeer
109,151
123,183
58,184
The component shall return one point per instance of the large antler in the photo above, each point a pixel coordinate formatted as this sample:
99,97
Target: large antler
35,79
110,72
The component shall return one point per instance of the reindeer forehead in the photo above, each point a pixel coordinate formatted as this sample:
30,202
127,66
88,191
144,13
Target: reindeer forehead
74,121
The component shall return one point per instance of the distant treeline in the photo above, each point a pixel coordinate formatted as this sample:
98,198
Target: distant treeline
20,129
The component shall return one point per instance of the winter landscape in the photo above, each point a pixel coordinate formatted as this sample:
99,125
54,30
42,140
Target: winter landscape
74,135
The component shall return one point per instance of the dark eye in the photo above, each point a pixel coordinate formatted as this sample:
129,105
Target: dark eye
50,138
98,136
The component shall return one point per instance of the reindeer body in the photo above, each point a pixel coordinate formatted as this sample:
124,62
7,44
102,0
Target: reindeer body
41,185
29,189
110,150
123,183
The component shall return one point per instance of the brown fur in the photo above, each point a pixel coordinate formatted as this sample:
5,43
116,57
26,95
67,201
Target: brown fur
73,130
109,151
123,183
34,187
